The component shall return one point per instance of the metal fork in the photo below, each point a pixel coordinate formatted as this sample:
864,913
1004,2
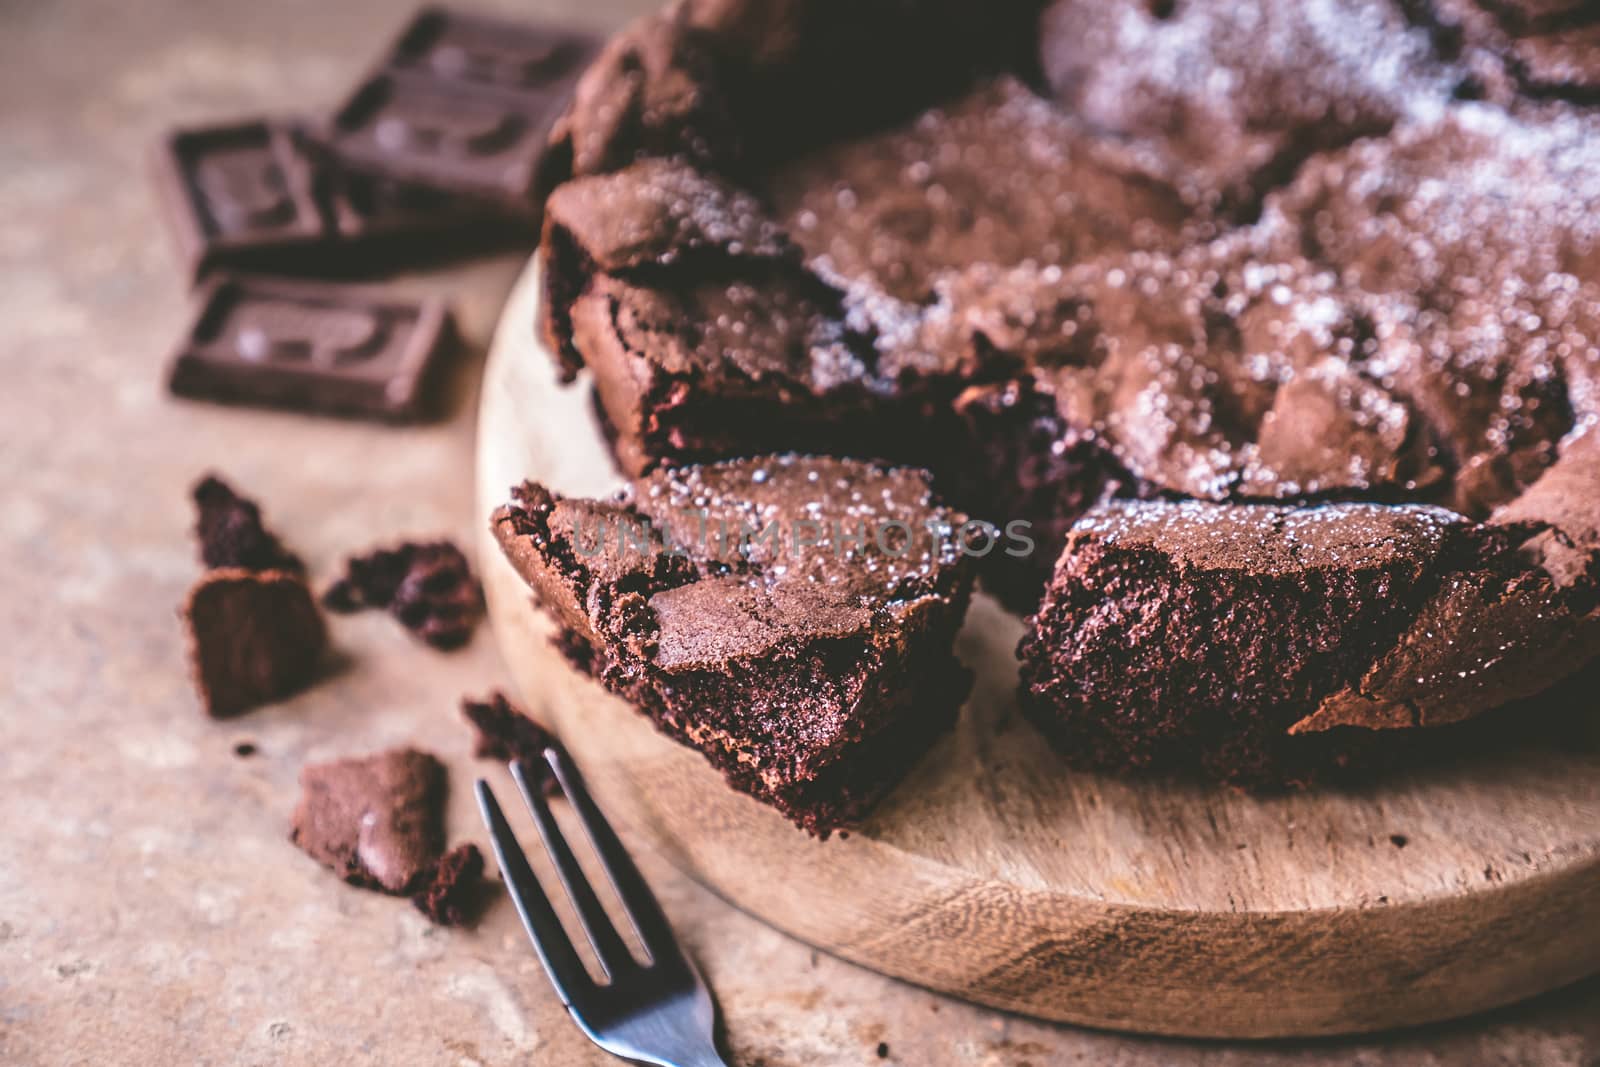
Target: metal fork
657,1013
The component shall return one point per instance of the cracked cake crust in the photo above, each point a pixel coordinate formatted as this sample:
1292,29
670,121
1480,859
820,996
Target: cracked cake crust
789,617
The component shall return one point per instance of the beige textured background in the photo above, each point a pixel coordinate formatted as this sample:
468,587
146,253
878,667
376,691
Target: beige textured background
151,911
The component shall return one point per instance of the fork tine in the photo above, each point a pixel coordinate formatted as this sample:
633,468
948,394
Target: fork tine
643,910
608,944
561,960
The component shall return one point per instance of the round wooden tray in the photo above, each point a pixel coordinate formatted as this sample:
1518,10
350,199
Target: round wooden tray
995,874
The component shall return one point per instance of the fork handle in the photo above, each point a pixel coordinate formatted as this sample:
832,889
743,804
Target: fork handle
689,1058
708,1059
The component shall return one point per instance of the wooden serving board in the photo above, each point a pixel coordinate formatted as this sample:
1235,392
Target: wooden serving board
995,874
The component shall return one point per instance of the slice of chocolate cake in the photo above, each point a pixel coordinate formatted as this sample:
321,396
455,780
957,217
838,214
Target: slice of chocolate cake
1247,641
789,617
706,335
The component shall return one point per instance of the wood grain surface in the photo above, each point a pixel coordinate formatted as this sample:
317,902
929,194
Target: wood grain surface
996,874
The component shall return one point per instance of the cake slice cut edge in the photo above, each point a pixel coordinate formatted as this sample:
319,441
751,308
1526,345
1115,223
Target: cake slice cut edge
812,666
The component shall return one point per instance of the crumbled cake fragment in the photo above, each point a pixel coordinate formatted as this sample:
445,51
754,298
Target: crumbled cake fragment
375,821
504,732
231,534
429,586
254,637
456,889
1240,92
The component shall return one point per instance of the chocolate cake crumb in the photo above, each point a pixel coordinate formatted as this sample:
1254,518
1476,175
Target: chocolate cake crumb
504,732
456,890
376,821
231,533
428,586
1399,840
254,637
883,1050
1544,49
245,749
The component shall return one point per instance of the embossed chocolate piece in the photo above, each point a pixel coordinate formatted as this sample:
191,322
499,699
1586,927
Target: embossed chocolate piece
258,195
240,193
473,49
462,104
321,348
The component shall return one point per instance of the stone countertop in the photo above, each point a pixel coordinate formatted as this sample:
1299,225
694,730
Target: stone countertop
151,909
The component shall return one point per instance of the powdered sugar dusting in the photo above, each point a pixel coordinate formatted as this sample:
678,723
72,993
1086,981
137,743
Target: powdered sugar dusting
866,531
1000,176
1272,538
1229,85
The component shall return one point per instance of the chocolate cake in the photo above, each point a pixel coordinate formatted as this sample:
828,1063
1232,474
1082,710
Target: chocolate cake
790,617
1185,274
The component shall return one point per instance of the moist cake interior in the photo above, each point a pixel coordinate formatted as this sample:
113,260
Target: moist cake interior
790,617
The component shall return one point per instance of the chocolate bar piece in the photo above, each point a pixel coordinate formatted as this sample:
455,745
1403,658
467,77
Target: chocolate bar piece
240,193
462,104
258,195
315,347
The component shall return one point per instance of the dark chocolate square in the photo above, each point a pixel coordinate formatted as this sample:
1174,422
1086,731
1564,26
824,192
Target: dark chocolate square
315,347
260,195
239,193
474,49
462,104
373,210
